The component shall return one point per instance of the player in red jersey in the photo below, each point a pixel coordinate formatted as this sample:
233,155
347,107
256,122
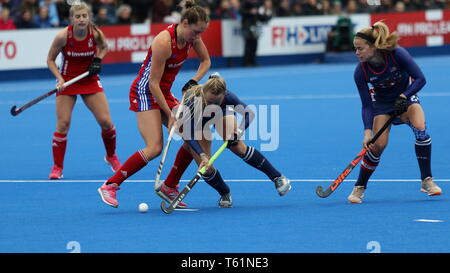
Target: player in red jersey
82,46
150,94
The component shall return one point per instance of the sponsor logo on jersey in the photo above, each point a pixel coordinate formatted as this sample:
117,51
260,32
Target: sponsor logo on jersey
175,65
80,54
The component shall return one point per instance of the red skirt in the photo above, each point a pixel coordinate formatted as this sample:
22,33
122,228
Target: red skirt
84,86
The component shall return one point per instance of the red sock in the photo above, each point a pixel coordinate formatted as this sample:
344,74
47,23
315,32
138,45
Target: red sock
133,164
182,161
109,139
59,143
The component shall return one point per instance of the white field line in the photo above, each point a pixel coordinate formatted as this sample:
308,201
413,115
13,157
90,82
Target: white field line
269,98
228,180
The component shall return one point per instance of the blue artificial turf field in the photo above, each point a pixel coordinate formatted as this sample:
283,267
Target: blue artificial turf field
319,131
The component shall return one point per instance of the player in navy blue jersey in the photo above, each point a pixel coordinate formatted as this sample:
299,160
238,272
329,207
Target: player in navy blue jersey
388,81
215,94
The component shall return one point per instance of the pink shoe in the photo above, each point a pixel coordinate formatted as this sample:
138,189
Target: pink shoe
168,194
56,173
113,161
108,194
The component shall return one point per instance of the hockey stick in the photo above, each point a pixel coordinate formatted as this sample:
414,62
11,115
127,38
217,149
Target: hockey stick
15,111
168,209
166,148
319,190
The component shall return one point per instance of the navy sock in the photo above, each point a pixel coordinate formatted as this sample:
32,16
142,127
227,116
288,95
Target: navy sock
368,165
423,154
255,159
215,180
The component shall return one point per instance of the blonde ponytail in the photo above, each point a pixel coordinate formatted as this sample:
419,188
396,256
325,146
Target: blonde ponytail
380,36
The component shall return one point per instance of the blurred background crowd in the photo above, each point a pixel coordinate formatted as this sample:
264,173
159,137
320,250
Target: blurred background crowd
19,14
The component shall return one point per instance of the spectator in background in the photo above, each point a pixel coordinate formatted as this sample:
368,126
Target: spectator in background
161,9
123,15
31,5
337,7
42,20
6,23
224,11
327,9
266,9
25,20
95,6
399,7
385,7
175,14
297,8
251,24
141,9
283,9
363,7
236,6
352,7
63,12
110,6
310,8
52,11
206,7
211,4
10,4
13,6
102,19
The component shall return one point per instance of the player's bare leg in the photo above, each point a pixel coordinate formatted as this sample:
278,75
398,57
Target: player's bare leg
99,107
150,127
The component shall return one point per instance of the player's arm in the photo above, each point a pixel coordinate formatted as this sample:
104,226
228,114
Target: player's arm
100,40
246,112
406,61
161,51
56,47
102,48
203,56
366,104
205,64
241,108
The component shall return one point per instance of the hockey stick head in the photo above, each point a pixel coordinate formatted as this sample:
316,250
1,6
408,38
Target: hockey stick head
321,193
13,111
166,209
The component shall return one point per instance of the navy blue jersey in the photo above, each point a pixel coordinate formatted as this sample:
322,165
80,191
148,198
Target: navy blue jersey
379,87
232,104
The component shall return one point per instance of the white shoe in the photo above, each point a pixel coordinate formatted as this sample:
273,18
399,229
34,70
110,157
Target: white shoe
357,195
283,185
429,187
225,201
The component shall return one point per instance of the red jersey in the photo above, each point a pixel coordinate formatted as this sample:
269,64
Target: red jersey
141,98
76,58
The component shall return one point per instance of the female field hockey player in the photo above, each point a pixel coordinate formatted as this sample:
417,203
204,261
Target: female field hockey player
150,94
82,46
388,80
215,93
